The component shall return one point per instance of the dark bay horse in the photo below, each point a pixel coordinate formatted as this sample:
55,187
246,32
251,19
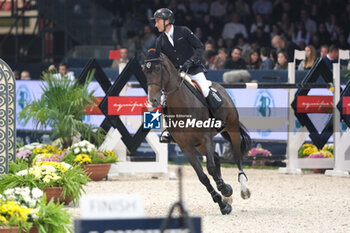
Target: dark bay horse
162,76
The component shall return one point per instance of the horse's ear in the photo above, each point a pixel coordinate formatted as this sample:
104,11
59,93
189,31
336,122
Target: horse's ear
144,55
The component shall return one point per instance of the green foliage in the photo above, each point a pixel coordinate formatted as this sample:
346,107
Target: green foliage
19,165
72,181
52,218
61,107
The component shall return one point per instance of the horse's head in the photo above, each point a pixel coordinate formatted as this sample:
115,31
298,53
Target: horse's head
154,72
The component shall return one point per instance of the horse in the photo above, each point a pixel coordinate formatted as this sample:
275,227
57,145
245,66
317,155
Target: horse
162,77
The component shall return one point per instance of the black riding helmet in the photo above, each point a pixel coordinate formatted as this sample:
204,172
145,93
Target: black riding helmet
164,13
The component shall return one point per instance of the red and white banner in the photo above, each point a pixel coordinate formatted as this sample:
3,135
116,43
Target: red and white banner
314,104
346,105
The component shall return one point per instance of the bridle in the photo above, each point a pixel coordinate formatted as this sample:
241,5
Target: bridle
149,63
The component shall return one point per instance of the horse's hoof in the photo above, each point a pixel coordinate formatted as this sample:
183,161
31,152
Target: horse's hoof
227,190
228,200
245,194
226,210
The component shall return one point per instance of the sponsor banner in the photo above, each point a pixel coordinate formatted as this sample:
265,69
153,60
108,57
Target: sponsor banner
314,104
94,109
251,103
346,105
130,105
137,225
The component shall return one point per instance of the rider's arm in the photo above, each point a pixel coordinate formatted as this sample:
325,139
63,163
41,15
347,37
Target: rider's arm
196,44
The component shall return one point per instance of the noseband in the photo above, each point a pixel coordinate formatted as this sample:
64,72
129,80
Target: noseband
149,64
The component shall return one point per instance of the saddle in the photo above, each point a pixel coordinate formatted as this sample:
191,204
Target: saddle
195,88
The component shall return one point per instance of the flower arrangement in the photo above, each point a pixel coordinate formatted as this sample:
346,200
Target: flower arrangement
48,174
14,215
36,152
83,153
308,150
31,205
259,152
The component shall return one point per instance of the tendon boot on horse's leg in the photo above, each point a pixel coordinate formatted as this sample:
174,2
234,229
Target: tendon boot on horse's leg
225,189
237,154
165,136
242,179
225,207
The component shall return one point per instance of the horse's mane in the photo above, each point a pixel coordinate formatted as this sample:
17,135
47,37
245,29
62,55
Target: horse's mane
171,68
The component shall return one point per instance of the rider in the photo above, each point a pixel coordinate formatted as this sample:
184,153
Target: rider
185,51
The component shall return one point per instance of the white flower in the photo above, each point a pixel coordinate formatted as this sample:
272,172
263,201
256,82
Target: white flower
9,192
37,193
22,173
76,150
84,150
66,165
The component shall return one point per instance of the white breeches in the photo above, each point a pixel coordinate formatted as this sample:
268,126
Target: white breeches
202,82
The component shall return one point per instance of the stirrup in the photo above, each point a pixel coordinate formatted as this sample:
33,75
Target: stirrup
165,137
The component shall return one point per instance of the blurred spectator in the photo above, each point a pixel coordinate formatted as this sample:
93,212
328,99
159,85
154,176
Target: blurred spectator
332,56
280,43
121,63
259,22
301,36
323,51
63,72
231,29
16,74
287,25
331,24
209,45
261,37
243,45
267,63
273,55
253,60
210,28
322,34
342,44
242,8
25,75
310,58
282,61
221,58
235,61
210,58
275,31
218,8
148,39
310,25
199,8
262,7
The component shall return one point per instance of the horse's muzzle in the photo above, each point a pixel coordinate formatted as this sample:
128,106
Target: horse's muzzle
151,105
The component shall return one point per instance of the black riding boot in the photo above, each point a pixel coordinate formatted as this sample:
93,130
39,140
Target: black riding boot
214,101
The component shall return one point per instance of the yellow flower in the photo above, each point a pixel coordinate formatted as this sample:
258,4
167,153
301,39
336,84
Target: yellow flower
310,150
40,150
3,220
60,167
83,159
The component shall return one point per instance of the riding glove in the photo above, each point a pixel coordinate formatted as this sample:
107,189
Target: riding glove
187,65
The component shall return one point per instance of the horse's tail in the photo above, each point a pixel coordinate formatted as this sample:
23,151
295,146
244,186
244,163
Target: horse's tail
246,141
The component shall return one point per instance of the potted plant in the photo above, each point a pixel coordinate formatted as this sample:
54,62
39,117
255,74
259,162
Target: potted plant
61,106
43,217
258,154
95,163
65,180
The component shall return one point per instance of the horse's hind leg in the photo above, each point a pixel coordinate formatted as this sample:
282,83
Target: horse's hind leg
225,208
238,157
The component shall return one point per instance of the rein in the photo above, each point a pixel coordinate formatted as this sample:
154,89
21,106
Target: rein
148,64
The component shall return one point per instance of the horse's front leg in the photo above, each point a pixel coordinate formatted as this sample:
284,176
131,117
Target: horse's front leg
213,167
225,207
